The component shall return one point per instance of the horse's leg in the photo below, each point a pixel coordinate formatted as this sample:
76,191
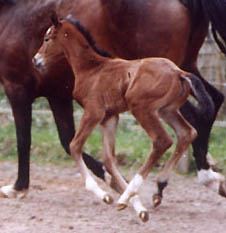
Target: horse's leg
87,123
108,127
202,118
63,115
185,135
161,142
21,104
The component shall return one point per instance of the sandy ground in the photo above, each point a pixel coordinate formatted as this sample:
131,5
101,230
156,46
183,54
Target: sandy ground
58,202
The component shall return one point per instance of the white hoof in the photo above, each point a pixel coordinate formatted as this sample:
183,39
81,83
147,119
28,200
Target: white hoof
9,192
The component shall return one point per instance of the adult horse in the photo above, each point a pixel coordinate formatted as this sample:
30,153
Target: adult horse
127,29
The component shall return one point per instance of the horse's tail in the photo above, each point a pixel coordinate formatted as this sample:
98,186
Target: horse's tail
204,102
214,10
195,9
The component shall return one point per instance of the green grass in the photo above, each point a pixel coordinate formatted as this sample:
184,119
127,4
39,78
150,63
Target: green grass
217,146
132,143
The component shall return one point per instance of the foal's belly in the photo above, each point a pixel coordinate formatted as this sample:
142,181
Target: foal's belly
114,104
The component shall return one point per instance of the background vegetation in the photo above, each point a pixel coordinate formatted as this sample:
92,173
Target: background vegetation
132,143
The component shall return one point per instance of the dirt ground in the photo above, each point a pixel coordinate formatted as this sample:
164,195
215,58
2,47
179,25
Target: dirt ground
58,202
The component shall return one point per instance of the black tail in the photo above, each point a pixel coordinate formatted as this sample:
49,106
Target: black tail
195,10
205,103
215,11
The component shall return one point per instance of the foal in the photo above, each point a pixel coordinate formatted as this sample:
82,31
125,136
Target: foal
150,88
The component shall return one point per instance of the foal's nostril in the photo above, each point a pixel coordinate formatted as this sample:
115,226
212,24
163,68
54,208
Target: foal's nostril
38,61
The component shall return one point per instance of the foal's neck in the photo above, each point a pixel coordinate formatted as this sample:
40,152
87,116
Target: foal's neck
82,57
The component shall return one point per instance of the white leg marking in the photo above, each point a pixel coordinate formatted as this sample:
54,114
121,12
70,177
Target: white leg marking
90,183
137,205
210,178
206,176
9,192
92,186
131,189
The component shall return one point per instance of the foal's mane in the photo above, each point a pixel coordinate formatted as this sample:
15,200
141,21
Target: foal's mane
87,36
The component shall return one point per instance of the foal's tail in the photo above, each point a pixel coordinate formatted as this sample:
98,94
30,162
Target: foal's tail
198,91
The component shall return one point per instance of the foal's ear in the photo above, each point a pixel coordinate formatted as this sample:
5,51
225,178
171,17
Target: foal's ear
54,19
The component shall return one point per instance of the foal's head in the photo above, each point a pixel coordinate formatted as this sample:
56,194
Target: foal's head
51,51
63,32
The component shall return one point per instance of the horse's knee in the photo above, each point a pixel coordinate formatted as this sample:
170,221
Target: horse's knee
193,134
75,150
161,144
187,137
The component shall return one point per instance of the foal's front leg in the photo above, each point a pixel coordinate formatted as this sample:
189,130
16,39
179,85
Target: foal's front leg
109,127
63,114
87,123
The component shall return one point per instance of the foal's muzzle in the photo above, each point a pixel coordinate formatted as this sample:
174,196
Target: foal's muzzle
38,62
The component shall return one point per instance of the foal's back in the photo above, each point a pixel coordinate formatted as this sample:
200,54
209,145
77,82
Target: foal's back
121,83
157,83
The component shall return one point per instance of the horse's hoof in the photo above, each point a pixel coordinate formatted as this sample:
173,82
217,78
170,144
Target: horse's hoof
157,200
144,216
9,192
108,199
122,206
222,189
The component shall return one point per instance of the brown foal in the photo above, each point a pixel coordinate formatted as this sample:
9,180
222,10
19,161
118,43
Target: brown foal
151,88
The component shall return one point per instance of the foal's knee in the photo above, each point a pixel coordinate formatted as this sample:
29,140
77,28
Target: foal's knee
188,137
75,150
161,144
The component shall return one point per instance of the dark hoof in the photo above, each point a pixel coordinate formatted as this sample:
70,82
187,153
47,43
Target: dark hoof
144,216
222,189
108,199
122,206
157,200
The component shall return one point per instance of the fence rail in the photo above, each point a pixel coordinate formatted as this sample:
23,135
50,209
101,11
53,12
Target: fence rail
124,116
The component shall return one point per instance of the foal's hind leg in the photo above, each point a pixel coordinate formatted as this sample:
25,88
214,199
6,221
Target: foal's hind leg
108,127
161,142
88,121
185,135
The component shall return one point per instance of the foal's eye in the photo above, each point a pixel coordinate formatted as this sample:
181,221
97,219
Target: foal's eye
46,39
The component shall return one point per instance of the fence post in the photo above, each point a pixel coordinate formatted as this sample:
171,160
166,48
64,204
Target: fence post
183,164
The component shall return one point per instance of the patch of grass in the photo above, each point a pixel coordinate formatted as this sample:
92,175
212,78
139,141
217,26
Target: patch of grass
217,146
132,143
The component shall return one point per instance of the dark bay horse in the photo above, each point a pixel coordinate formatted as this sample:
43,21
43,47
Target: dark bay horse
126,28
151,88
